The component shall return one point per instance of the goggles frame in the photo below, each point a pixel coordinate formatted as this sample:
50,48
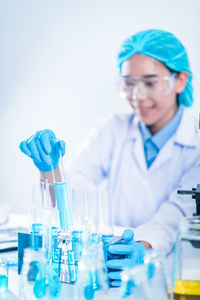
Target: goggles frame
152,87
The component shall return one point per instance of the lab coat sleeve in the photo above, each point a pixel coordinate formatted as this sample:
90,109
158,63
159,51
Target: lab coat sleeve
161,230
92,161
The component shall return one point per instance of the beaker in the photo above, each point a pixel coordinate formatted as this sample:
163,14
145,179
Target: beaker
38,279
186,263
148,281
91,280
135,284
3,275
158,276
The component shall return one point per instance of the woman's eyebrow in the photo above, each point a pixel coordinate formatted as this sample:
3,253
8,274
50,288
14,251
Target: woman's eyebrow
143,76
150,75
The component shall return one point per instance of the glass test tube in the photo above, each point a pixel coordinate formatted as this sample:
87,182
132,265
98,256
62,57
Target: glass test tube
62,197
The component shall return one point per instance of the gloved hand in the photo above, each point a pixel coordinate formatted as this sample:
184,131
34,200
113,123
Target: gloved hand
129,253
44,149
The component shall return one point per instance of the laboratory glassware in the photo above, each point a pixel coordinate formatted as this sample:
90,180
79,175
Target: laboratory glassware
148,281
43,217
186,264
84,213
3,275
158,276
92,280
38,279
104,215
68,267
61,195
135,284
43,210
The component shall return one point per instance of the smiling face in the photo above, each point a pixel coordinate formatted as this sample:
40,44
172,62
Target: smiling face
155,113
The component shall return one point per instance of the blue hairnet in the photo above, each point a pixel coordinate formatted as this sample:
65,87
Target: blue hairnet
165,47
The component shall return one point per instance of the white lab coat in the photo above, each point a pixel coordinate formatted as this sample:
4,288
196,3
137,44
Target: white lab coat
144,199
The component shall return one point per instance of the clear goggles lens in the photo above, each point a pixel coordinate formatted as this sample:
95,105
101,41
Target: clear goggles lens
155,87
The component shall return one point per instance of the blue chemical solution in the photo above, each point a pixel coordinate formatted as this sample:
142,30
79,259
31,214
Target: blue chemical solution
40,287
37,229
94,281
56,260
62,203
94,238
71,266
106,241
77,244
89,292
128,290
54,283
3,283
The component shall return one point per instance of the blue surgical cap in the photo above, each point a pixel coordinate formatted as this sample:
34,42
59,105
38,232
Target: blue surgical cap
165,47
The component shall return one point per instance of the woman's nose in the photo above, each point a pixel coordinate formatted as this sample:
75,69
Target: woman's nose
138,94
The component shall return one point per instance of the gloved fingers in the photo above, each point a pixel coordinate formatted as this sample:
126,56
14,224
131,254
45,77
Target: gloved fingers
45,141
128,235
46,158
31,144
114,275
24,148
60,147
122,249
119,264
115,283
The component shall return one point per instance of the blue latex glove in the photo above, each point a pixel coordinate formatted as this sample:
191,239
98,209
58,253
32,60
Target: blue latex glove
129,253
44,149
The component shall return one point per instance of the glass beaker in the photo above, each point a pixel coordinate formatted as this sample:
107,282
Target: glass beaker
91,280
186,265
148,281
158,276
3,275
135,284
38,279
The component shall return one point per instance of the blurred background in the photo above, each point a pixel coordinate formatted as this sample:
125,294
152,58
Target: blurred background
58,70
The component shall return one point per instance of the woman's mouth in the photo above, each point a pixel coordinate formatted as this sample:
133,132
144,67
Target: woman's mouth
144,110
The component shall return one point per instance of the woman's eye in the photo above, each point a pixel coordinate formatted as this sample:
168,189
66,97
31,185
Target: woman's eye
150,83
129,83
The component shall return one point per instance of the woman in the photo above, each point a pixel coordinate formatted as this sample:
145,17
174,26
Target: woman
147,155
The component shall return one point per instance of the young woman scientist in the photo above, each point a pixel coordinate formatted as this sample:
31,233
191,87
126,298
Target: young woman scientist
145,156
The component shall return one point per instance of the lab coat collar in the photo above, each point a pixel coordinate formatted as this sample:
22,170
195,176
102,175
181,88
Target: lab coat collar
186,135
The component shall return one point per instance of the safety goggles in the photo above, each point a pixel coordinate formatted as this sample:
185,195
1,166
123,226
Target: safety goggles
149,87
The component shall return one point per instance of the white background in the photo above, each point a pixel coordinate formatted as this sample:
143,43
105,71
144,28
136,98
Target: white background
58,71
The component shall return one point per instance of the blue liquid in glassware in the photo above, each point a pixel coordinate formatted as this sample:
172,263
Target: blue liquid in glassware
3,282
62,203
37,229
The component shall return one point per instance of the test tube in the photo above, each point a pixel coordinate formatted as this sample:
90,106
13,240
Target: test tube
62,197
104,216
105,223
77,222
